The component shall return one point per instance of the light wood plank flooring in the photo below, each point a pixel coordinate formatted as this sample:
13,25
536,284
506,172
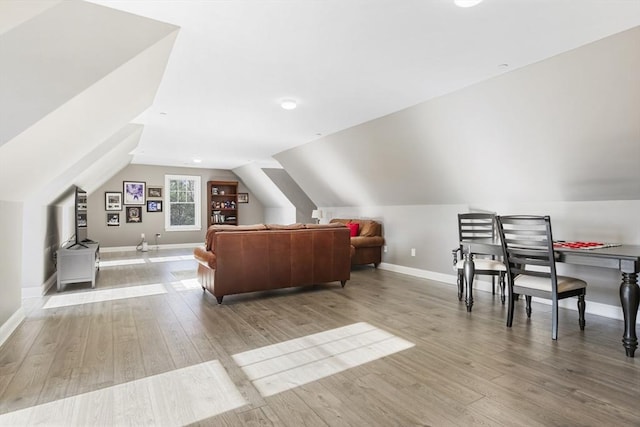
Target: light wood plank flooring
168,358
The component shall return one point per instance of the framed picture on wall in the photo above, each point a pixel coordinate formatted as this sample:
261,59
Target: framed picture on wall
112,200
134,192
134,214
113,219
154,192
154,205
243,197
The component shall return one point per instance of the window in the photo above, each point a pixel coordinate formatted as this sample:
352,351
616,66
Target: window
182,202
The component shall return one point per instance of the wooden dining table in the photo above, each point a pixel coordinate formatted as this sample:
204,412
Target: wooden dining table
624,258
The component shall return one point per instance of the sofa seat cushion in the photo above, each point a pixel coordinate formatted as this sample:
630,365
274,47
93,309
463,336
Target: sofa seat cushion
367,242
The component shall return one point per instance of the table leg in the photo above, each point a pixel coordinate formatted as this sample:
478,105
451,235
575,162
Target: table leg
630,299
469,272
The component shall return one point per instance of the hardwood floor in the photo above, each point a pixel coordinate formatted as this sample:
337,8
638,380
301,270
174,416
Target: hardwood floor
172,356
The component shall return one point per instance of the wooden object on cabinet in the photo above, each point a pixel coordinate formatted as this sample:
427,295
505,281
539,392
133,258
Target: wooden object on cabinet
222,202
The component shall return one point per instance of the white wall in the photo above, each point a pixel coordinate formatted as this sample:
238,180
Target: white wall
560,137
432,231
564,129
127,235
10,267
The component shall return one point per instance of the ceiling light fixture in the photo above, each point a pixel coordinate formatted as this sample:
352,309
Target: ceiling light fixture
197,161
289,104
466,3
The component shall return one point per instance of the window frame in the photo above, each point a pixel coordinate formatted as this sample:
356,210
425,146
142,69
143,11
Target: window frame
197,200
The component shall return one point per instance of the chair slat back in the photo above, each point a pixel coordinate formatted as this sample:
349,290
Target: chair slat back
472,226
527,244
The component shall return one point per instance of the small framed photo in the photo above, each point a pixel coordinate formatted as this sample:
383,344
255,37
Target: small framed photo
134,192
112,200
154,205
154,192
82,220
113,219
134,214
243,197
81,201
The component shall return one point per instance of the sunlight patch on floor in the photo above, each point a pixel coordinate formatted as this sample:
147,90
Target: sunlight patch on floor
92,296
186,284
174,398
121,262
172,258
283,366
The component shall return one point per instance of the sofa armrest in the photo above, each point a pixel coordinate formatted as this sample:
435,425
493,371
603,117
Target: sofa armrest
367,242
205,257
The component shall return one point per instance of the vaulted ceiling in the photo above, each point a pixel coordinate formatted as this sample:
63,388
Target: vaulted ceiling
87,87
70,86
344,62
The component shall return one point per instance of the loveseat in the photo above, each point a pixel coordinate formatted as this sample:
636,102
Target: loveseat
238,259
366,240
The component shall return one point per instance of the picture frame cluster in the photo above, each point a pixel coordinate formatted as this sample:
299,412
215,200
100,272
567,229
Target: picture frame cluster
133,197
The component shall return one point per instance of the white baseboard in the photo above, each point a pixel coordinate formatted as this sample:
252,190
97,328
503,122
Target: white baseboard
595,308
151,247
10,325
425,274
38,291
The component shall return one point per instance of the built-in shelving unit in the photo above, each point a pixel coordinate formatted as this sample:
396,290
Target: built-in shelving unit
222,202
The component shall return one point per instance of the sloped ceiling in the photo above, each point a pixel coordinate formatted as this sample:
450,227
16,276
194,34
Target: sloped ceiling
345,61
73,76
264,189
105,160
564,129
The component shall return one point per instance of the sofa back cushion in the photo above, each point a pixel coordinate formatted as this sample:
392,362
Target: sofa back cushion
367,227
295,226
370,228
211,232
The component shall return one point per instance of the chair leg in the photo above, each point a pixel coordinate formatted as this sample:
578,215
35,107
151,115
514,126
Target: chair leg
554,320
510,309
493,285
460,284
528,300
501,283
581,308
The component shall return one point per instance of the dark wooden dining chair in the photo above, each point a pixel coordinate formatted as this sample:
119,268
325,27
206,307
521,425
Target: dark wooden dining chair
527,244
473,226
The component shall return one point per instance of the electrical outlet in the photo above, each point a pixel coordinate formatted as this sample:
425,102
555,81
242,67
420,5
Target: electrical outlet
384,248
413,251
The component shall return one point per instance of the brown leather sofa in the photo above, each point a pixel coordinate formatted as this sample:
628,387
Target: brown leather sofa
238,259
366,246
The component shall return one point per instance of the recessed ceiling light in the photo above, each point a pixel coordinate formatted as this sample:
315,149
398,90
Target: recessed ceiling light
289,104
466,3
197,161
503,66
